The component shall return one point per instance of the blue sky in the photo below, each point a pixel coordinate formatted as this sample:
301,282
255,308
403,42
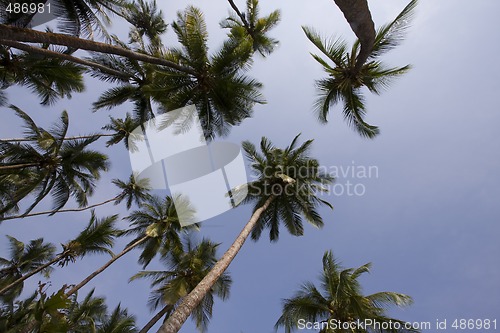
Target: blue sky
429,222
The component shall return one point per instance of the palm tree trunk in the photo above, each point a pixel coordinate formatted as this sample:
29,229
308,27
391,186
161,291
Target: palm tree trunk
69,138
189,303
102,268
51,212
240,15
359,17
51,54
17,166
34,36
30,274
155,319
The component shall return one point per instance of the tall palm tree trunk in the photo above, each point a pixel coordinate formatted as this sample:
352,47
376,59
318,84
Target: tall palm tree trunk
155,319
102,268
33,272
34,36
359,17
174,323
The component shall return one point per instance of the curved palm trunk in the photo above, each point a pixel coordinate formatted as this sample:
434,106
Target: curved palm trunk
155,319
57,55
69,138
174,323
17,166
34,36
102,268
50,212
359,17
30,274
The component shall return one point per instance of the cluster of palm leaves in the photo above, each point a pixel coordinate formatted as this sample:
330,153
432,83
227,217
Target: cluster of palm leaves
339,299
347,76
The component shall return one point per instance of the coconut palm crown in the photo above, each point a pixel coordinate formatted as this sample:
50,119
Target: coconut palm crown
293,179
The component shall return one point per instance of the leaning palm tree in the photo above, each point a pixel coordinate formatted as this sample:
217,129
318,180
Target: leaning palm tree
346,77
217,84
97,238
75,17
339,300
133,191
23,259
157,227
285,192
250,30
187,266
50,164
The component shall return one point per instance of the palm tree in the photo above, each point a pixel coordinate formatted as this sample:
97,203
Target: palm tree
346,77
58,313
24,258
49,78
83,316
339,299
133,191
134,89
286,191
10,33
217,85
187,266
97,238
157,227
250,30
76,17
359,18
146,20
50,164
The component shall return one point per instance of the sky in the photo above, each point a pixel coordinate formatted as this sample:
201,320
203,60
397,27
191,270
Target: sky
429,216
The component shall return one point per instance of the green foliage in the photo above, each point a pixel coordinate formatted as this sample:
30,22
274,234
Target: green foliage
293,178
122,129
97,238
249,30
339,297
23,258
157,219
50,79
58,313
133,191
223,95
